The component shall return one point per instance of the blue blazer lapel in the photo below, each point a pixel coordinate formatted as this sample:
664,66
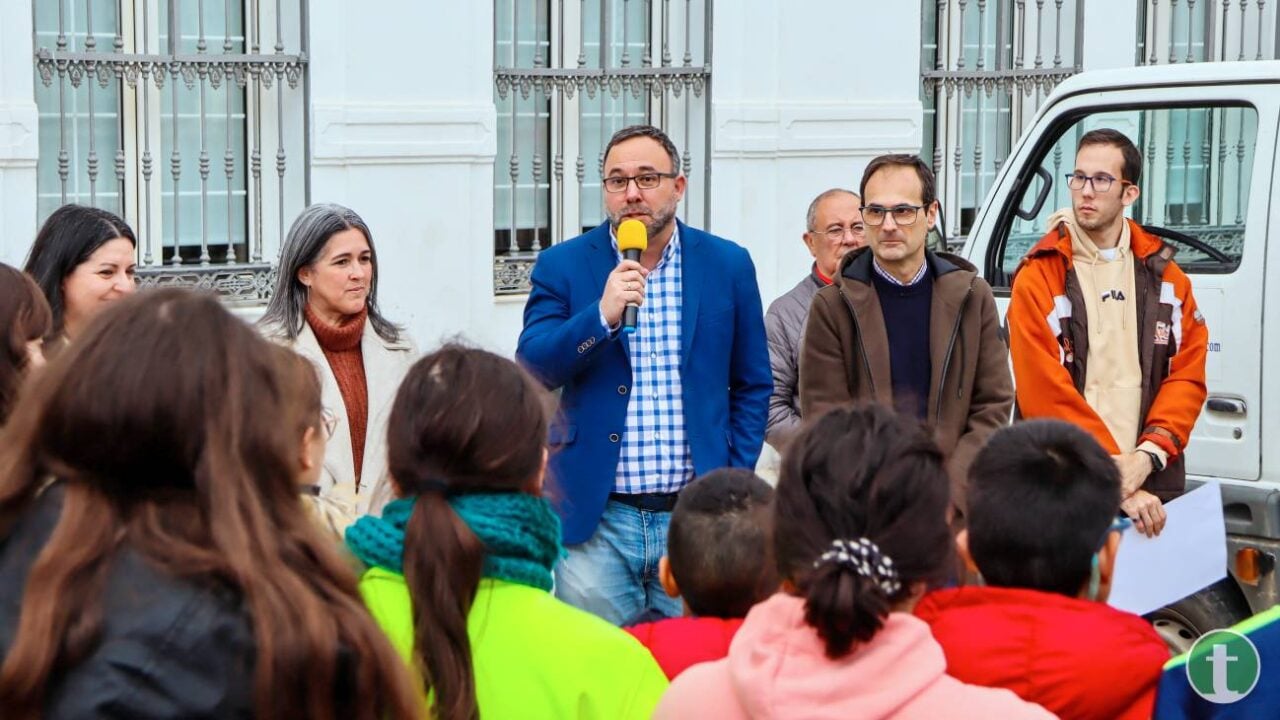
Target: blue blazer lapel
694,266
603,260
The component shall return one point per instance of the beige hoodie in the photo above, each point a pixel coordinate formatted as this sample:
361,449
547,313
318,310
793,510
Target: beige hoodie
1113,376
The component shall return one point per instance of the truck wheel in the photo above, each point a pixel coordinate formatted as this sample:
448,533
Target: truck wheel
1218,606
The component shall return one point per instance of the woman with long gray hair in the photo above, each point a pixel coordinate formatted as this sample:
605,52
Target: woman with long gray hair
325,306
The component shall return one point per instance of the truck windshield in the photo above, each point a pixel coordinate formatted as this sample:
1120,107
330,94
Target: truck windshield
1197,163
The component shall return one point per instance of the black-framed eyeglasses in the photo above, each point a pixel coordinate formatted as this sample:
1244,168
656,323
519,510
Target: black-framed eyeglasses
644,181
836,233
1100,183
902,214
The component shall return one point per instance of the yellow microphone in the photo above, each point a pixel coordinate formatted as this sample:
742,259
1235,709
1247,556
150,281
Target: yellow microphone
633,239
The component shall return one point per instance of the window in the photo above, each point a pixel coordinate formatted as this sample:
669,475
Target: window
166,112
986,67
1197,162
561,93
1170,31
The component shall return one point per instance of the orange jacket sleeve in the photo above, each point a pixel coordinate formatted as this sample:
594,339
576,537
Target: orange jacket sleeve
1181,396
1043,385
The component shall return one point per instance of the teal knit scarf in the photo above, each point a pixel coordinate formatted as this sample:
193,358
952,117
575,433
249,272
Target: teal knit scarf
520,532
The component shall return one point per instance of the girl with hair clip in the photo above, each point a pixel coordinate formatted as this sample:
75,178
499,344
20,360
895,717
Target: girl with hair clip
83,259
26,319
460,565
860,532
155,561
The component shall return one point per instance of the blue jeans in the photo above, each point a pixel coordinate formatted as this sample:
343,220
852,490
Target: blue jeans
615,573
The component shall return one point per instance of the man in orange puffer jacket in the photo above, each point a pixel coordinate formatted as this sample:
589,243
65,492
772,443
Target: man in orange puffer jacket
1104,331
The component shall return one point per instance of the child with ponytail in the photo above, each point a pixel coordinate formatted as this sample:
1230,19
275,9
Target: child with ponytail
460,565
860,530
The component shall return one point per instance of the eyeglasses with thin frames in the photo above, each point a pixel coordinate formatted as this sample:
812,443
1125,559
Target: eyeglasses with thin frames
874,215
1100,183
644,181
328,423
836,234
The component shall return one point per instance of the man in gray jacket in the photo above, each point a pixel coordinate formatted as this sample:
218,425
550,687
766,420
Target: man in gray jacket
834,227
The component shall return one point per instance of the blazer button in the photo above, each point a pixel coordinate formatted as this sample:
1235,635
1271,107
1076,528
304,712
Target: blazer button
613,437
622,389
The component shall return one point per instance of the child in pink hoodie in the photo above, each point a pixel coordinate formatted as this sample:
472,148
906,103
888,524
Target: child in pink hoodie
860,530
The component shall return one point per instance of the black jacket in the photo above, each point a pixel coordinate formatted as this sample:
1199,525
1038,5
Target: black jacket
168,648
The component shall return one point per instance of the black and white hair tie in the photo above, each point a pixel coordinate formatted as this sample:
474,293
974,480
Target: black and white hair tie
863,557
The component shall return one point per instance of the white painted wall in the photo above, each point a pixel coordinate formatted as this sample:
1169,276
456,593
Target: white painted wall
403,130
804,96
19,125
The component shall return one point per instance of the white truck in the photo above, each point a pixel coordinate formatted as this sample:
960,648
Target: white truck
1208,135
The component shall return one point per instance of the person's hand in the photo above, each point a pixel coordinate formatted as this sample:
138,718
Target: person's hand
624,286
1134,468
1146,511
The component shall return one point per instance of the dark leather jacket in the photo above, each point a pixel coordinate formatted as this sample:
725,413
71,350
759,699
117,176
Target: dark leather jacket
168,648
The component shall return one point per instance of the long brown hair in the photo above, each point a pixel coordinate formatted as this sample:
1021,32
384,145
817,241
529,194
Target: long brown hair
24,316
163,425
473,421
300,384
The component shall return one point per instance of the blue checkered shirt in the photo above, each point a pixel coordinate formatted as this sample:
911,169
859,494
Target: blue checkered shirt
655,455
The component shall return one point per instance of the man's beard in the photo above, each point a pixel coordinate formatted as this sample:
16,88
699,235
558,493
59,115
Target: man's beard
1097,223
654,222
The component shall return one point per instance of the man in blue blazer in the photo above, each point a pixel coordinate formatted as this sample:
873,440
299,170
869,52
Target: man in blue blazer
642,413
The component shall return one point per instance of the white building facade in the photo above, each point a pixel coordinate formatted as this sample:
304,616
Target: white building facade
468,134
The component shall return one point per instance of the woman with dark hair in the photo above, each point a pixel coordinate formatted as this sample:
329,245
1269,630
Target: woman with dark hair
860,532
460,564
83,259
26,319
155,561
325,306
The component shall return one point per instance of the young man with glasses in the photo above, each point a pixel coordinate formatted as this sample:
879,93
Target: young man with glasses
834,228
642,412
1104,331
908,327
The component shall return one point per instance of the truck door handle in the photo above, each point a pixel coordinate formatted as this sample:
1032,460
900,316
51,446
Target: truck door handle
1229,406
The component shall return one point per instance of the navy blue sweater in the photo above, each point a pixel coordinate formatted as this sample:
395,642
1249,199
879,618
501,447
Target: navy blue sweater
906,319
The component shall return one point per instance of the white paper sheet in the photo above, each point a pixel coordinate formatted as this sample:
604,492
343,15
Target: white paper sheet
1189,555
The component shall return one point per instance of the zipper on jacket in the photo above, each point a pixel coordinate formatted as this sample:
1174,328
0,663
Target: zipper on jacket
866,361
946,364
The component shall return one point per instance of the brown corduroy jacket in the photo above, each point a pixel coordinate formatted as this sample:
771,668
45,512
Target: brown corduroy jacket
845,358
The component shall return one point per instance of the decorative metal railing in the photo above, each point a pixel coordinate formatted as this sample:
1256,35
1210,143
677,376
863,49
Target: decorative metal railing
985,68
1189,31
166,112
569,73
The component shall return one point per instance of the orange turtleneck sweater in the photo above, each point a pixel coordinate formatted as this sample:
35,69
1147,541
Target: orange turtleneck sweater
341,346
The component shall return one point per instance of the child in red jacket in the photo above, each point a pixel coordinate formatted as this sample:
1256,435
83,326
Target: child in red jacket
1044,499
719,558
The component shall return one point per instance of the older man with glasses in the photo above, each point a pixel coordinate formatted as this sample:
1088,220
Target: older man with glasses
908,327
643,409
833,228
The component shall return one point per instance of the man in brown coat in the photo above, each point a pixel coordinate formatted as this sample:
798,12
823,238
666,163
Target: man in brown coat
908,327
